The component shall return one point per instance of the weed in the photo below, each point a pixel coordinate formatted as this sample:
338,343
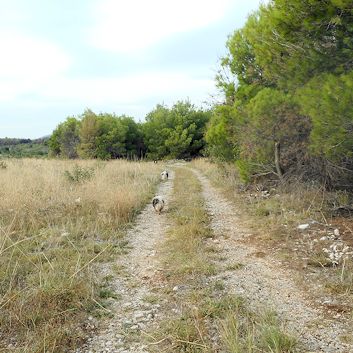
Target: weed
79,174
185,334
151,298
341,282
243,331
319,259
272,337
106,293
234,266
218,308
219,285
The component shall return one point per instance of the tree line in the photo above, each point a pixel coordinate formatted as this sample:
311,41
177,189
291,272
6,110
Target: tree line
176,132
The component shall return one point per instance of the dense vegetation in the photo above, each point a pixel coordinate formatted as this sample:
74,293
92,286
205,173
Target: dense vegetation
175,132
15,147
287,80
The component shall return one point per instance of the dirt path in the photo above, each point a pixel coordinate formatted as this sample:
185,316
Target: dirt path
134,311
265,284
260,280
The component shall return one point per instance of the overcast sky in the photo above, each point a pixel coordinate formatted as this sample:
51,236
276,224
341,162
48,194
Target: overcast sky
59,57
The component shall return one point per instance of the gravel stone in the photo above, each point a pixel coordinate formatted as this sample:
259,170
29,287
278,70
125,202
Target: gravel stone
141,264
263,281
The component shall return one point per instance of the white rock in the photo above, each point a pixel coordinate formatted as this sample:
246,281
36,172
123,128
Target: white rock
139,315
303,226
336,232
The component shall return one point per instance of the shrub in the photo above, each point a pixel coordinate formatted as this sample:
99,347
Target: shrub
79,174
327,100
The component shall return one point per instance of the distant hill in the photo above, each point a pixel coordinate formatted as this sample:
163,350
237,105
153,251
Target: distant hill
22,147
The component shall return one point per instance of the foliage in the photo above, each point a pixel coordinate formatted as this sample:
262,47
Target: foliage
19,148
222,132
287,79
176,133
272,117
327,99
65,138
88,133
79,174
103,136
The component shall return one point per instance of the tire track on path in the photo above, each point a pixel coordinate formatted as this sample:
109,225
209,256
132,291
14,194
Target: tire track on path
265,284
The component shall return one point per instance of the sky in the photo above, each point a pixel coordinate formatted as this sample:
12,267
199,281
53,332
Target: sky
60,57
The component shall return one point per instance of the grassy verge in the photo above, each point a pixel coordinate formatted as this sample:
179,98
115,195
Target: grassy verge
207,318
57,220
273,216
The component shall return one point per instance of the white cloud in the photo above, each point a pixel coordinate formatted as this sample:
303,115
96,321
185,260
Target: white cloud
124,26
27,62
129,90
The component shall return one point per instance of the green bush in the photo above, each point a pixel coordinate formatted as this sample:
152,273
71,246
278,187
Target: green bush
79,174
327,99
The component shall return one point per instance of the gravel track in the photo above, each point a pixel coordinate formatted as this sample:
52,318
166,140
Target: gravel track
261,280
265,284
132,314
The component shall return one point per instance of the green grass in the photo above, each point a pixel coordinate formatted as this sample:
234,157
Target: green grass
234,266
244,332
184,249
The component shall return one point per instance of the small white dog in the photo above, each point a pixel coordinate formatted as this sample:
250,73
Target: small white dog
164,175
158,204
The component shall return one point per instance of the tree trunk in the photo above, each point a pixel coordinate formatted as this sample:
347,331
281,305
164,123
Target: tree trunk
277,163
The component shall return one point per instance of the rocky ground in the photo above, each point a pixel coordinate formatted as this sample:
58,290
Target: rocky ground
263,281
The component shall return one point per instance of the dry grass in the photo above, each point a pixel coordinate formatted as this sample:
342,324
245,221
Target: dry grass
185,254
53,229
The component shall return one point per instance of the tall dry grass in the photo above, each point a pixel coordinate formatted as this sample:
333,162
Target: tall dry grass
57,219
